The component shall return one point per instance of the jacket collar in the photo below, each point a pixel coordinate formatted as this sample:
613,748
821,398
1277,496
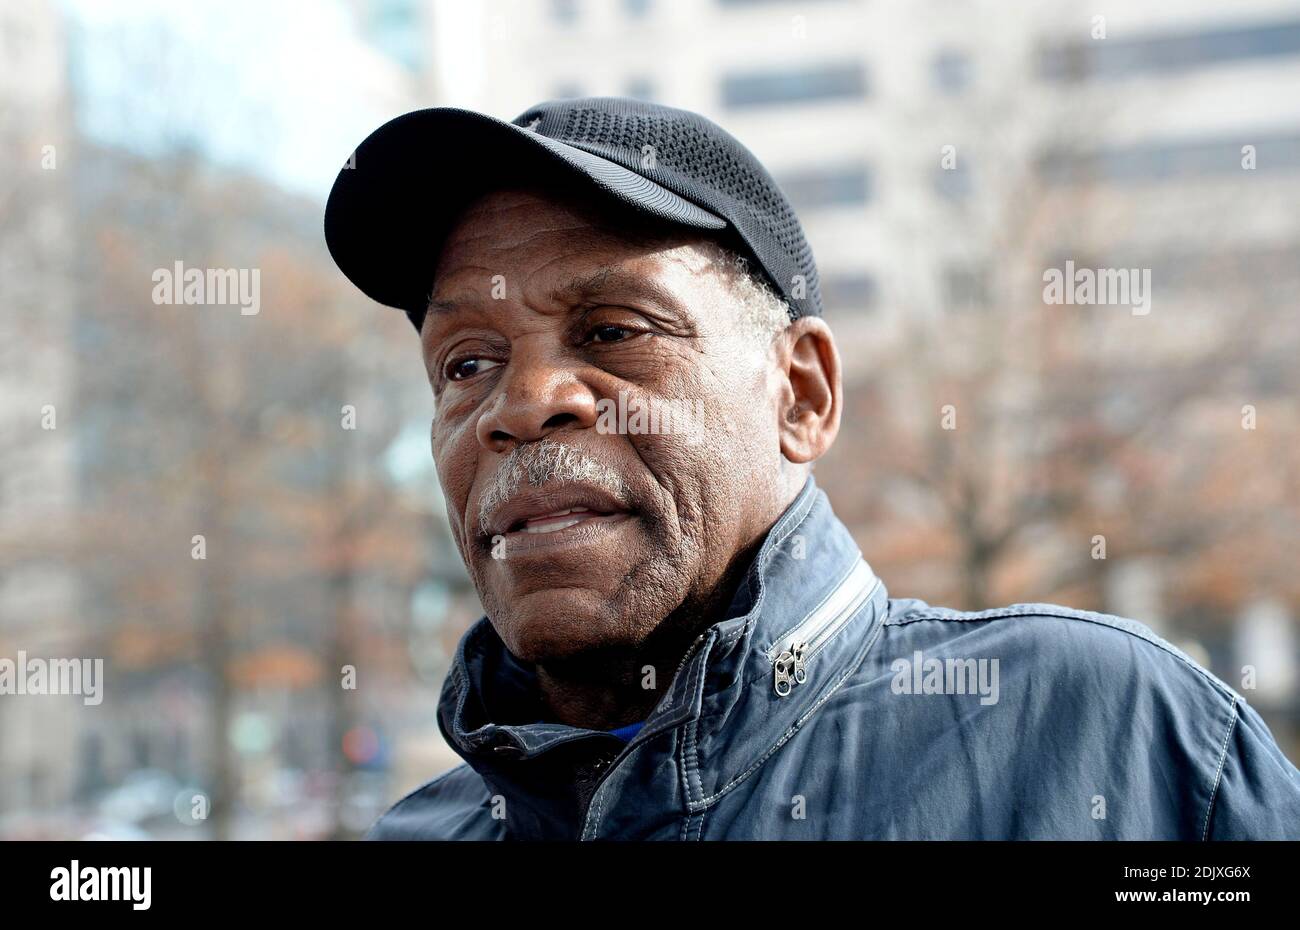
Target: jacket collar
725,708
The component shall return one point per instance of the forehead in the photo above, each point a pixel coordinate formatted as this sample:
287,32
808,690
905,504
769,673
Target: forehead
562,250
530,220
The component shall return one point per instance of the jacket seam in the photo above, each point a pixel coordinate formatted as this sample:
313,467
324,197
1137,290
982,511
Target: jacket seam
1097,619
690,653
460,679
691,750
690,744
595,825
591,826
681,766
1218,776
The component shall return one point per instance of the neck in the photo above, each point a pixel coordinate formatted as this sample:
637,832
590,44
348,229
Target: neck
616,687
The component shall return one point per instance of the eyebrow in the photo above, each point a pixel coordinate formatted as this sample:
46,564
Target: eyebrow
608,281
441,306
585,289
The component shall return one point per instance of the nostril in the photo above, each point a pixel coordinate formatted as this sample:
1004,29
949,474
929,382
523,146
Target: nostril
560,419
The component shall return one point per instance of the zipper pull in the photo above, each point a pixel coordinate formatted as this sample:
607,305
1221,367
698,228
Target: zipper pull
788,669
800,671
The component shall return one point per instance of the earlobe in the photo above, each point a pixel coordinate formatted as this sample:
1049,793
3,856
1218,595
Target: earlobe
813,393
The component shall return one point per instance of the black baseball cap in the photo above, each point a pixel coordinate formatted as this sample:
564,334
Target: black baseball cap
394,201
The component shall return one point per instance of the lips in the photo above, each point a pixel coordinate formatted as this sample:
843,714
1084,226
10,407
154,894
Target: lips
554,522
539,511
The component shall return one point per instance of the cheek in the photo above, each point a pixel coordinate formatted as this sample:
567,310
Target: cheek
734,454
728,437
454,456
696,464
747,403
734,414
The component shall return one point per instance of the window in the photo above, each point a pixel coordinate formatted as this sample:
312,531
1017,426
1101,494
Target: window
763,88
950,70
1166,160
564,12
849,290
1116,57
954,183
834,186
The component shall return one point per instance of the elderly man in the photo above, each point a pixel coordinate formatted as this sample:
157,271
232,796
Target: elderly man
621,324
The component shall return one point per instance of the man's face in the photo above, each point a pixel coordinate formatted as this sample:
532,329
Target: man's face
583,529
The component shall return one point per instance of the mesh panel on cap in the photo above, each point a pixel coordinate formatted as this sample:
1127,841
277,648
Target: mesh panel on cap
701,162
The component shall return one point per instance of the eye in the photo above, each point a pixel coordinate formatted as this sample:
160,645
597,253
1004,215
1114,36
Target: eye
461,369
609,332
606,324
615,332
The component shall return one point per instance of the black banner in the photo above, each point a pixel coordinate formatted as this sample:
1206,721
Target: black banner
135,880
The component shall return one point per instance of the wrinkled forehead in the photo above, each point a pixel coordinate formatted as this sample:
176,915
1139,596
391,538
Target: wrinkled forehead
516,217
535,240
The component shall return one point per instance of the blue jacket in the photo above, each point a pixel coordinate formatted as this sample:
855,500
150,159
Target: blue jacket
822,709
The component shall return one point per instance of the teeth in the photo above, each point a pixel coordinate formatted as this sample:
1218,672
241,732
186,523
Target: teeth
551,522
551,525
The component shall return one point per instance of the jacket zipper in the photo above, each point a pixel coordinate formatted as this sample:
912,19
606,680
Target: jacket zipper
617,758
790,661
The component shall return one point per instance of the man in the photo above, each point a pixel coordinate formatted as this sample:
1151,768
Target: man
681,640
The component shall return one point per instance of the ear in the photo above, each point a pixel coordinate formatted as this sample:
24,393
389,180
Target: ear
811,394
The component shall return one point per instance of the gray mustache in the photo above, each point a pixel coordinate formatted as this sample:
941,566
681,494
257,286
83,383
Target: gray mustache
537,464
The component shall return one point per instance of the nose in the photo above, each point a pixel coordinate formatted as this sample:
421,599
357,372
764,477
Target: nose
537,395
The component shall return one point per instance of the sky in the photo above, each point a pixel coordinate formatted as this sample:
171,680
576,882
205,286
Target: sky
282,89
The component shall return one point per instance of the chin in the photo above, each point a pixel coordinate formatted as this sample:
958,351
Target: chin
559,625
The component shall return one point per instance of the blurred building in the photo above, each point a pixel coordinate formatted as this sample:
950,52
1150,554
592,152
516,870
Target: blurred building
39,588
1183,159
222,675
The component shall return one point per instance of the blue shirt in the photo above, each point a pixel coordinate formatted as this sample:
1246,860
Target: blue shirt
626,733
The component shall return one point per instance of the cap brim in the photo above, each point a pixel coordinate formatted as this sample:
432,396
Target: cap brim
395,200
